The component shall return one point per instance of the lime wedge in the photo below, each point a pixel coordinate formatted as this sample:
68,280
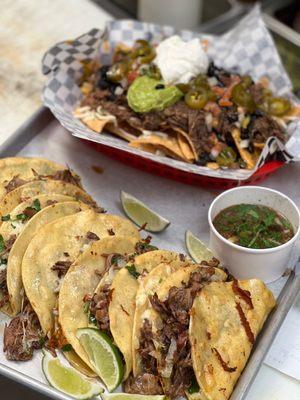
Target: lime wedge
127,396
104,356
197,249
68,380
140,214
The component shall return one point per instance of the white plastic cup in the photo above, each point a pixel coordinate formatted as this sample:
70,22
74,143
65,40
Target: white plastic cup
244,263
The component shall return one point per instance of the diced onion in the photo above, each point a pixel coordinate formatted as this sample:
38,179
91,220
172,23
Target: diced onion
213,81
167,371
244,143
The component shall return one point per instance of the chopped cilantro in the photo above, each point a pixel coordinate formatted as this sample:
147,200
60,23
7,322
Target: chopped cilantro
194,388
3,261
21,217
5,217
253,214
2,244
86,307
42,341
67,347
36,205
132,270
115,258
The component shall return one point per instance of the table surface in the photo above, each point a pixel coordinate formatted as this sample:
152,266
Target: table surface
38,25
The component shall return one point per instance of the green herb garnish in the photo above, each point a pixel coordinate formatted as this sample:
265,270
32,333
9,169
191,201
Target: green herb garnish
2,244
194,388
5,217
132,270
21,217
67,347
36,205
42,341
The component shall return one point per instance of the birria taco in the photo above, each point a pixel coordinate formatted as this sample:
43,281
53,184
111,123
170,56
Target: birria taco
197,333
46,262
17,171
221,346
147,377
16,232
104,302
35,188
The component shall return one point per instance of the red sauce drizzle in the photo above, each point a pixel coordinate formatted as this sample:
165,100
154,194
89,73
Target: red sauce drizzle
225,366
243,294
245,323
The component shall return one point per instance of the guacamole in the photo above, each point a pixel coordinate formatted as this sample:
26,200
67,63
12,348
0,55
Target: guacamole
148,94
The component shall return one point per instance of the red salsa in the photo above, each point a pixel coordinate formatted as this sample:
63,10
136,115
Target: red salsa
253,226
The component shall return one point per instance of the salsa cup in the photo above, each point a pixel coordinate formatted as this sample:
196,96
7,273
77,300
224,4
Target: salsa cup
244,263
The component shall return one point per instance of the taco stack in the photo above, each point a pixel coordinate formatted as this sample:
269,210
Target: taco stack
180,328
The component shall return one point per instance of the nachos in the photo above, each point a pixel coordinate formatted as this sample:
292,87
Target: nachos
170,99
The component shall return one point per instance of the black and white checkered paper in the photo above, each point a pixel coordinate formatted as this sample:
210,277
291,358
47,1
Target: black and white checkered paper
248,48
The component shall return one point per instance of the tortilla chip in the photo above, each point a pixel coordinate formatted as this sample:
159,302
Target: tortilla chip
259,146
188,139
250,159
118,131
293,114
169,145
97,125
185,147
143,146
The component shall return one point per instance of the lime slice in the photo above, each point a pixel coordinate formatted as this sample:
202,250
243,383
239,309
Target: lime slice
140,214
197,249
103,355
68,380
127,396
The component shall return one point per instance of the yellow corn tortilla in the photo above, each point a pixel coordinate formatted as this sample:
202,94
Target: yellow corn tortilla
82,279
23,167
250,159
178,279
148,286
69,235
215,324
65,206
31,189
121,323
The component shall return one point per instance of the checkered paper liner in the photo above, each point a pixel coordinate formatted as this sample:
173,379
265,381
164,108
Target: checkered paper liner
248,48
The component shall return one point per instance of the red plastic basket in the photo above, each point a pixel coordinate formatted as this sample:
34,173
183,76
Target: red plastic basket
153,167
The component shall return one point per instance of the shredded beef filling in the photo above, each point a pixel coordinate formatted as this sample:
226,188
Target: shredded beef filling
61,267
63,175
146,383
144,246
22,336
99,308
3,273
92,236
174,312
14,183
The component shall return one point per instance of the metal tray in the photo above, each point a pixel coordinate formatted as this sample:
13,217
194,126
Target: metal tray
41,135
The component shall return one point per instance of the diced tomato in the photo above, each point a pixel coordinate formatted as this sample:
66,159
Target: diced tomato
225,103
132,75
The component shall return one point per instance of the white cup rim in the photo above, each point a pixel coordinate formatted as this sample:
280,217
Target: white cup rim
246,249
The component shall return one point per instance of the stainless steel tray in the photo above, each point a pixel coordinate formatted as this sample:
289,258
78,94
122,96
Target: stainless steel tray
41,135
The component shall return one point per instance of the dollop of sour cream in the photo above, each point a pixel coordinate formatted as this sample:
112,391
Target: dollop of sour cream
179,61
